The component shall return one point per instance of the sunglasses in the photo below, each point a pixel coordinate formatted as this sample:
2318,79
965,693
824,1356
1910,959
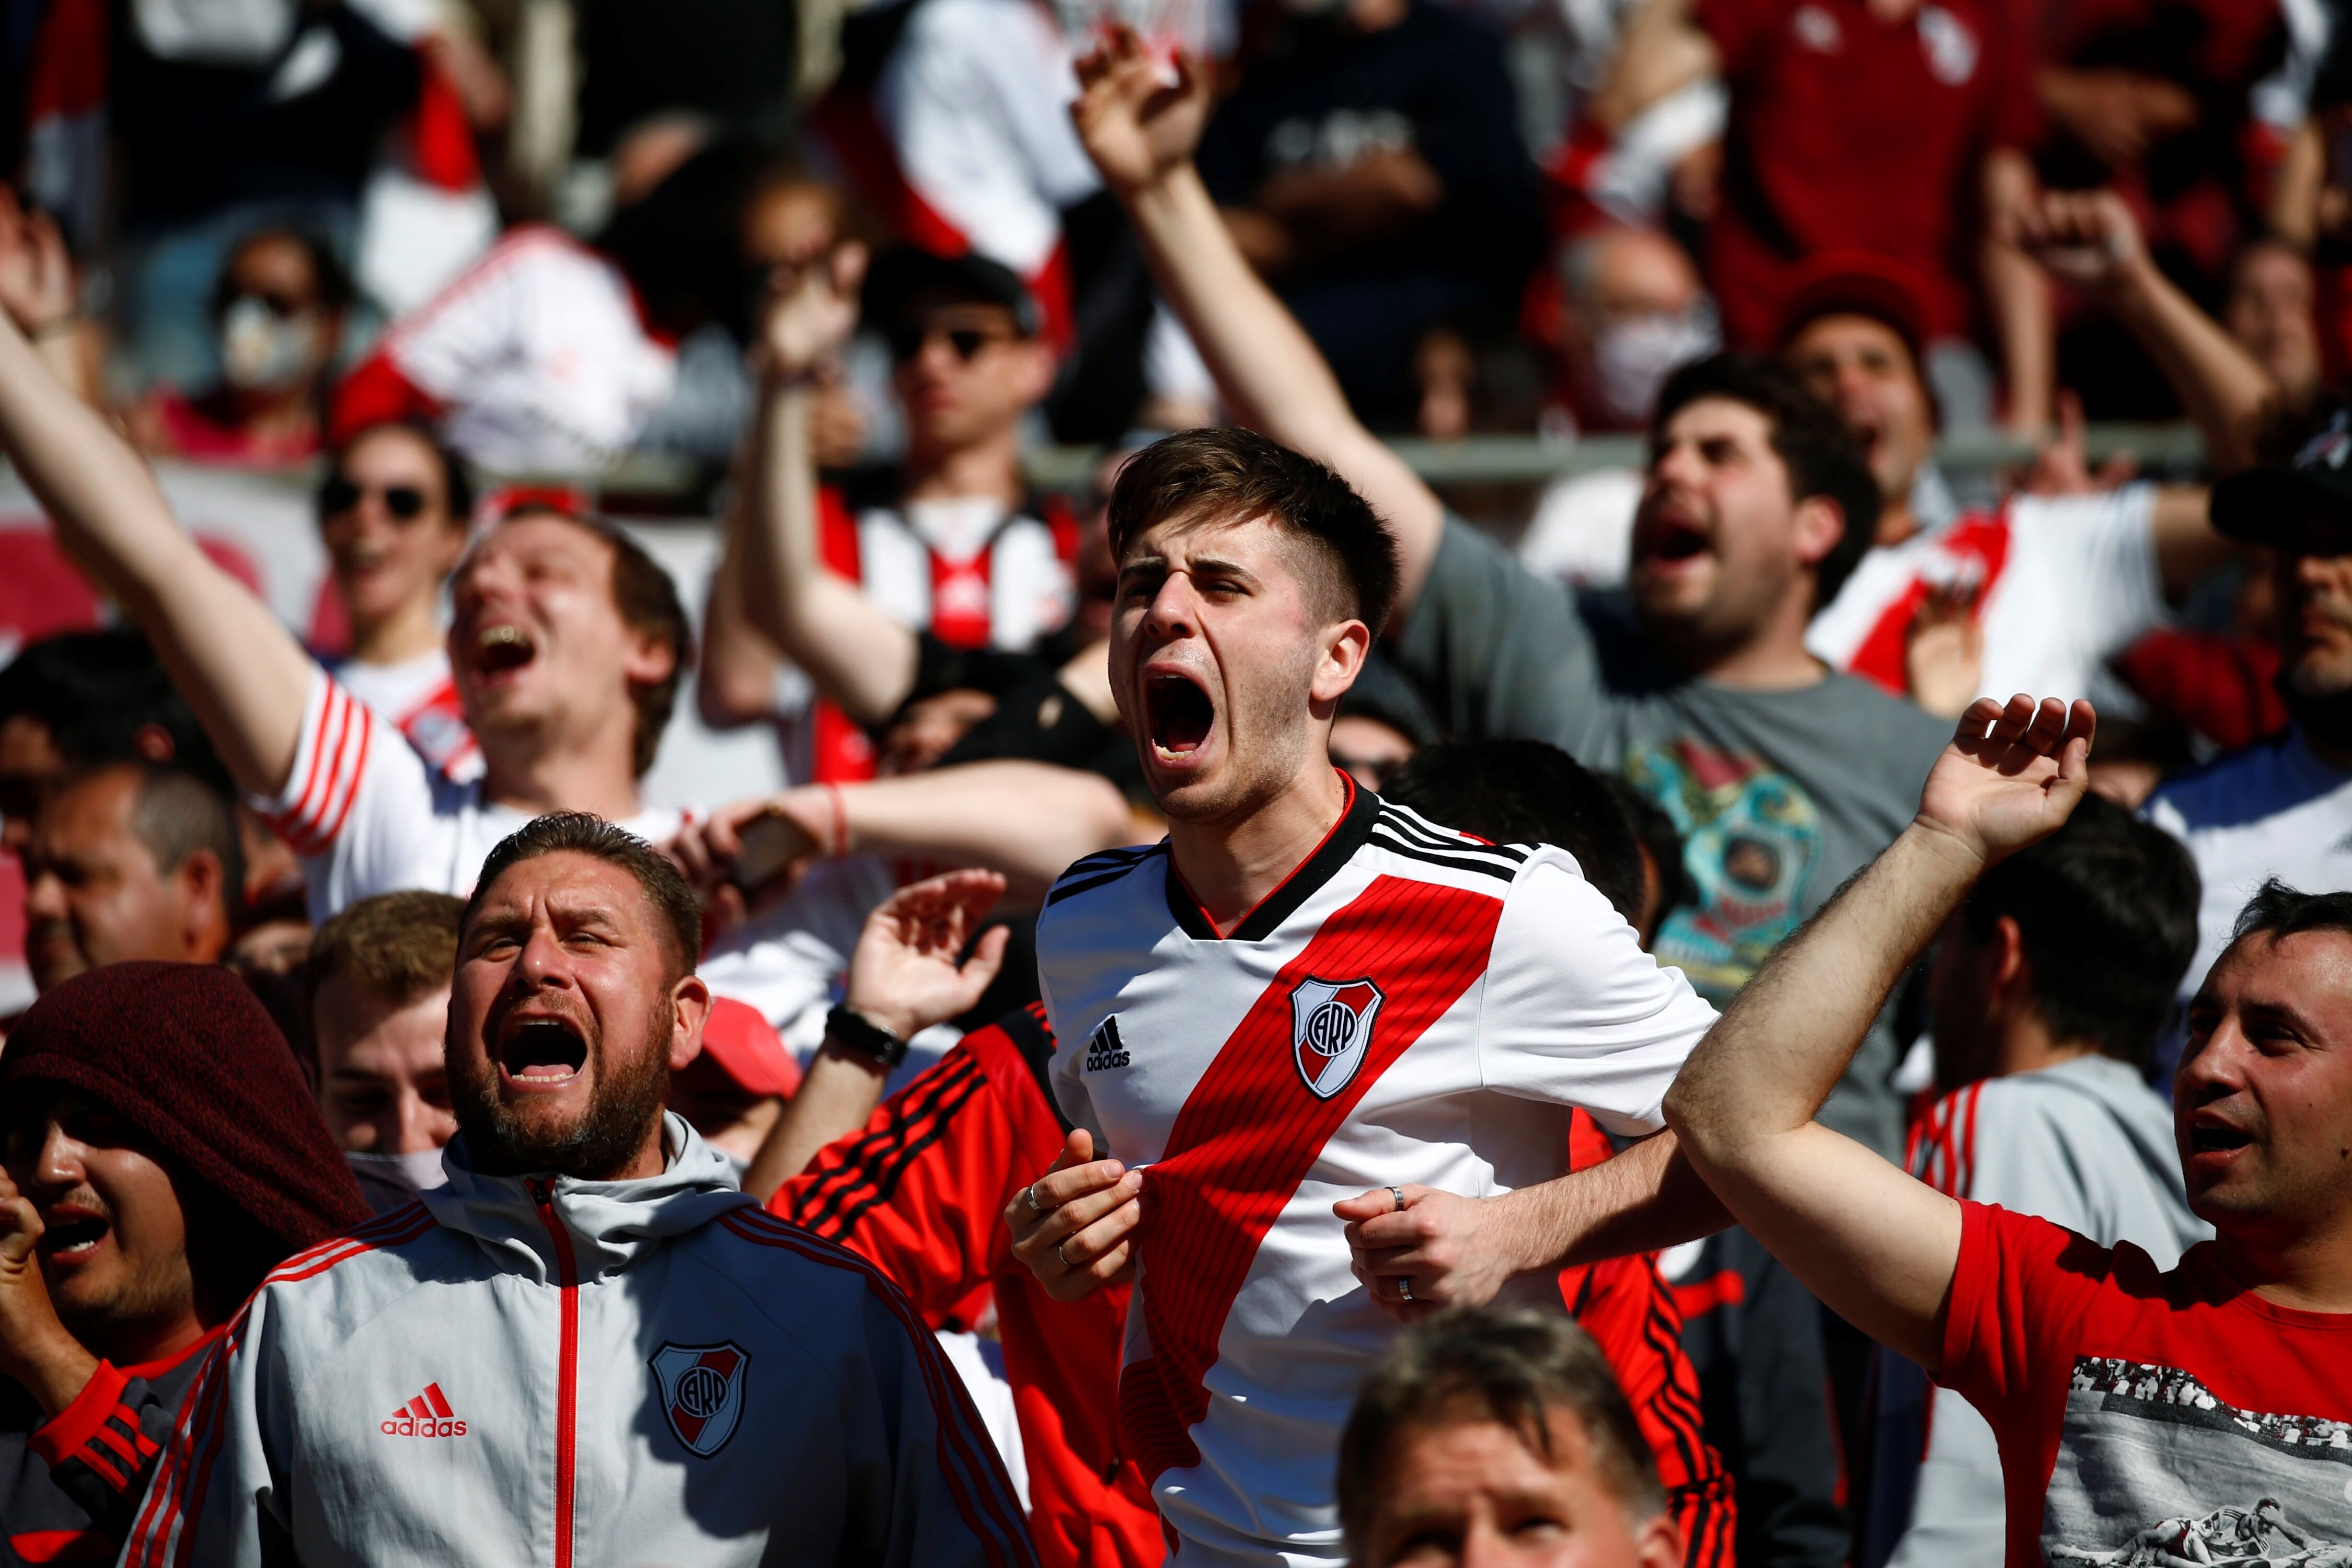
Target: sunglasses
907,341
285,307
339,495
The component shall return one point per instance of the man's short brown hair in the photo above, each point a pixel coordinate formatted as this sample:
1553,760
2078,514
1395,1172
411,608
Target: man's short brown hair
677,913
395,946
1514,1369
1237,475
647,599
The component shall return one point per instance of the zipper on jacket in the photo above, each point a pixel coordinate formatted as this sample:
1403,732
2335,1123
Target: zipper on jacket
567,1397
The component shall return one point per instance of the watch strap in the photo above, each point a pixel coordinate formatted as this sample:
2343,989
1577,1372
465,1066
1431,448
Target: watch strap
852,1031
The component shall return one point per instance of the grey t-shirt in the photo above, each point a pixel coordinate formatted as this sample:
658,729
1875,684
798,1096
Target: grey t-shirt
1780,795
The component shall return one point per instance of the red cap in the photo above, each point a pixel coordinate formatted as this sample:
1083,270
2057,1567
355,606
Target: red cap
1857,283
739,1042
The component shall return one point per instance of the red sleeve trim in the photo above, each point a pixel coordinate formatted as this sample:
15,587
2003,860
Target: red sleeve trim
1973,1274
56,1439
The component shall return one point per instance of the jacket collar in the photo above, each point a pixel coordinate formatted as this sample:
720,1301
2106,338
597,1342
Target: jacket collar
610,1224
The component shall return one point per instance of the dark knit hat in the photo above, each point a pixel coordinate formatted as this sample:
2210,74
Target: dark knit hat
187,1055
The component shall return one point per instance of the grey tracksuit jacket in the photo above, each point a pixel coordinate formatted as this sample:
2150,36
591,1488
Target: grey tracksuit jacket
578,1374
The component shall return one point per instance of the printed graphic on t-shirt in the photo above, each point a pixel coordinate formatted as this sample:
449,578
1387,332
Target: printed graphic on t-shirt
2154,1469
1751,838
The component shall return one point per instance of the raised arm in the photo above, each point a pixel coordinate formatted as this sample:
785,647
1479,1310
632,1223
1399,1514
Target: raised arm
1141,132
242,673
2091,239
1028,820
1874,1245
906,974
851,649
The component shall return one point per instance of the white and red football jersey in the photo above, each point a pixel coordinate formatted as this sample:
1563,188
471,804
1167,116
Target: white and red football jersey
420,698
369,814
2062,584
1411,1006
972,572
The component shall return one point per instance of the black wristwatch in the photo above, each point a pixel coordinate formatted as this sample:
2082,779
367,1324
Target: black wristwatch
854,1032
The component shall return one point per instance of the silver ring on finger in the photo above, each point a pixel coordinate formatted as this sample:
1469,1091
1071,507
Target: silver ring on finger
1030,1192
1063,1255
1404,1290
1398,1194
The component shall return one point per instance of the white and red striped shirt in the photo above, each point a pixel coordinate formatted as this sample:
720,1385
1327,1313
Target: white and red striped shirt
2062,584
369,814
1411,1006
420,698
970,572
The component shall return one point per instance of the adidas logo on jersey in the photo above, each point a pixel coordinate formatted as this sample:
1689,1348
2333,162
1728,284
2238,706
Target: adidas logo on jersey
1105,1051
427,1415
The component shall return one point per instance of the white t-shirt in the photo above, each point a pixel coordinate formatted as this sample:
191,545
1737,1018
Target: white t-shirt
2064,583
975,100
2271,809
538,354
370,816
1583,532
1411,1006
421,700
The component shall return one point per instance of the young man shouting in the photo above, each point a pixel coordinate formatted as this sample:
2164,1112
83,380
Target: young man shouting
589,1347
1305,1008
2140,1413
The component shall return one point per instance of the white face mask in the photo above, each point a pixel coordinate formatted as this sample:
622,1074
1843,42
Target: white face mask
387,1180
260,350
1632,358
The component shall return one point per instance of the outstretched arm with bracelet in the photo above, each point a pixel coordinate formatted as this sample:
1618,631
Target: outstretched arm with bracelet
907,973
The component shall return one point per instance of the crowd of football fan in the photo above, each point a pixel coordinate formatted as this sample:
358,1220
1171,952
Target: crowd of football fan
853,264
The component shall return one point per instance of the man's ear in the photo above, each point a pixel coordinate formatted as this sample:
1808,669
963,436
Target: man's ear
2007,966
689,1002
1658,1543
1036,368
1820,526
208,908
649,660
1345,646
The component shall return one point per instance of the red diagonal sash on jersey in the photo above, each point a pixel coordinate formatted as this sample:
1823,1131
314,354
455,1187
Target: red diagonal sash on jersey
1882,655
1251,1129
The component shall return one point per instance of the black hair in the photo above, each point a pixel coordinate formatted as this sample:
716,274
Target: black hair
331,279
1527,792
2106,911
457,478
95,692
1822,457
677,913
1237,475
1516,1369
1661,842
2279,911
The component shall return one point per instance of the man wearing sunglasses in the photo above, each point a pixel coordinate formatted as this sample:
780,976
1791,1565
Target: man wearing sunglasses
950,544
393,513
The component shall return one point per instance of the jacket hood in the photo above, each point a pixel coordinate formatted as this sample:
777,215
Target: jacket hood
2142,1117
609,1225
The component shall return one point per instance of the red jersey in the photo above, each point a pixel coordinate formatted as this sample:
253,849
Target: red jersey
920,1191
2141,1414
1631,1312
1847,131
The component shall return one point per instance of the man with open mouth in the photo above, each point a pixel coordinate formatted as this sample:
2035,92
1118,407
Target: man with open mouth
2141,1414
589,1346
1323,1045
161,1154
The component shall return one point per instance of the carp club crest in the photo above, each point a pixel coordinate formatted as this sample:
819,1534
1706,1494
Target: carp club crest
701,1392
1331,1029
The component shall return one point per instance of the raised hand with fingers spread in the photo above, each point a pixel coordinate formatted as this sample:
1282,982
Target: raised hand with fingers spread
809,313
909,970
1136,123
2012,774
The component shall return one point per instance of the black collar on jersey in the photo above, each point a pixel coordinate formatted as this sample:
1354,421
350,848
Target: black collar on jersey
1348,834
